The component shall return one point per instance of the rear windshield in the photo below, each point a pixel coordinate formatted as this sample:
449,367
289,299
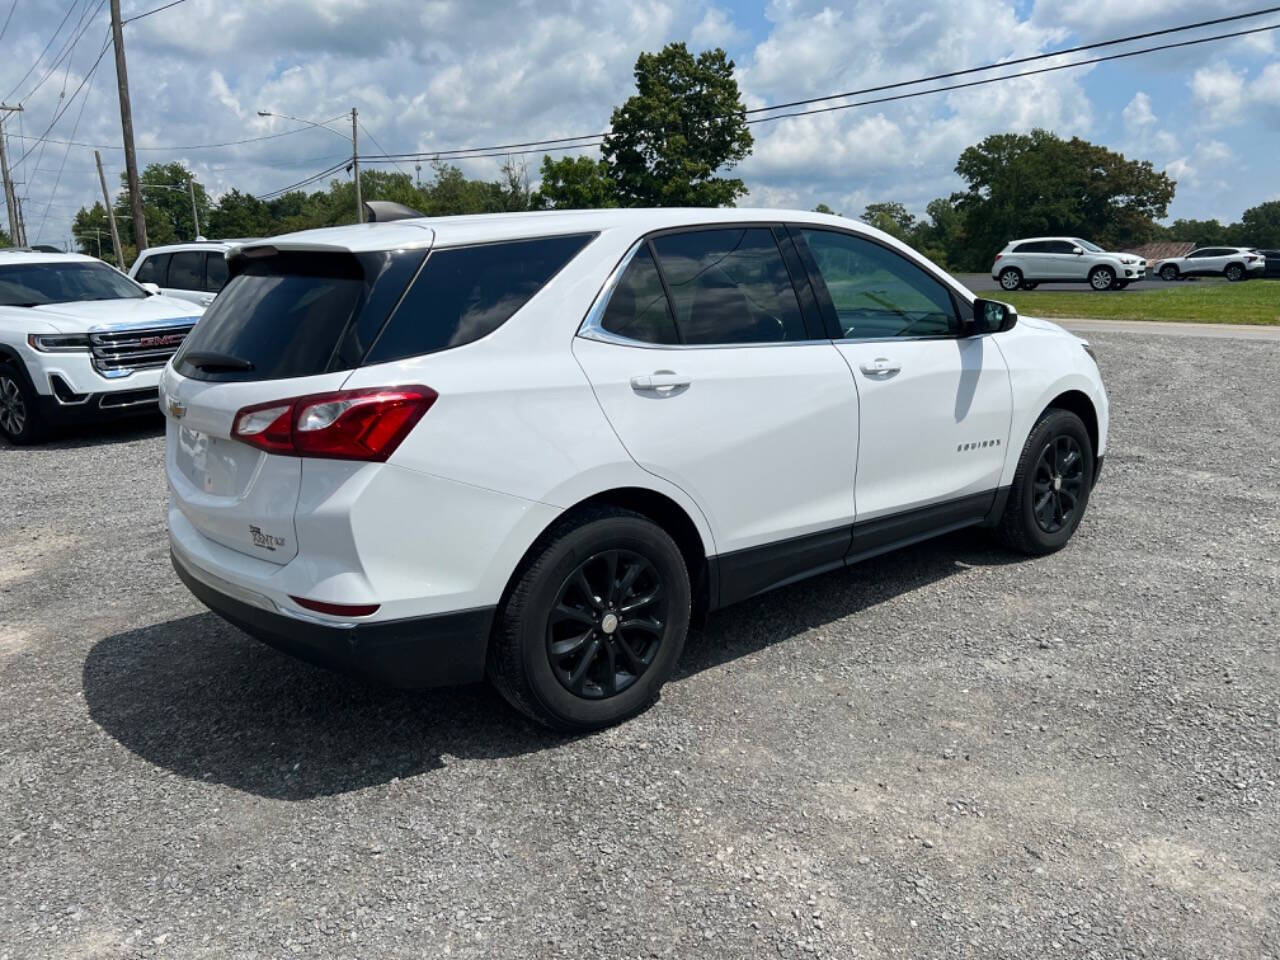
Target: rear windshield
465,293
295,314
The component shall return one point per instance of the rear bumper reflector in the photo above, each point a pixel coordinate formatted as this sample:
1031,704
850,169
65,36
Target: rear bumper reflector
336,609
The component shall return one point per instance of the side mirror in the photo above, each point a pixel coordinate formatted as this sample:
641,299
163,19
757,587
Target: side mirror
992,316
153,289
1078,251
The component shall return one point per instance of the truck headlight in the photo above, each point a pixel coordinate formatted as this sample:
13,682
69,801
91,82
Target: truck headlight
58,342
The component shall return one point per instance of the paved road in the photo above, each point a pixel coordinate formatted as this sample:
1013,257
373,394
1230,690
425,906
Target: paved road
1149,328
982,282
947,752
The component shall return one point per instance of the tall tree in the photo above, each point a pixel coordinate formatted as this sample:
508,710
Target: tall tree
239,215
1027,184
891,217
167,202
685,123
1260,226
574,183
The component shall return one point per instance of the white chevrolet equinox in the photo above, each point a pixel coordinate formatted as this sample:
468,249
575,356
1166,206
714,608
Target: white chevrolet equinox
533,447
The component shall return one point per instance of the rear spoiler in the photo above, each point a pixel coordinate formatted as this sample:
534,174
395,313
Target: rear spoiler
384,211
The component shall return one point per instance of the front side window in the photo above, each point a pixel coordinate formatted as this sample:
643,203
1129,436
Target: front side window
638,307
1196,254
465,293
186,271
153,269
36,284
730,285
877,293
1061,246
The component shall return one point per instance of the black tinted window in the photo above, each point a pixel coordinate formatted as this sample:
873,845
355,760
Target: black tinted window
463,294
35,284
1035,246
186,271
730,286
153,269
1059,246
638,308
876,292
215,272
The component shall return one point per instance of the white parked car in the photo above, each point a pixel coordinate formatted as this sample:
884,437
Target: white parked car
1024,264
79,341
189,271
535,446
1234,263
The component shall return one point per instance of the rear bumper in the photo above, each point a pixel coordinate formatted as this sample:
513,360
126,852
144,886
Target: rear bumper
439,650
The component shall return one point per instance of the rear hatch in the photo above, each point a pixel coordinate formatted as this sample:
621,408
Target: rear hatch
289,322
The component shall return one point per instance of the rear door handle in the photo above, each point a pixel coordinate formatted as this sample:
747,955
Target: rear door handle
662,381
880,367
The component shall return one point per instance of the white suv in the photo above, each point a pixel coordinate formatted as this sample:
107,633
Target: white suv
1024,264
79,341
189,271
1234,263
535,446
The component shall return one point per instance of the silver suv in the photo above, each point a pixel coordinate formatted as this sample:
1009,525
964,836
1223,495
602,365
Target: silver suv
1024,264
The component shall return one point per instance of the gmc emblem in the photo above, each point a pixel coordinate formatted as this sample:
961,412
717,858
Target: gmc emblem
168,340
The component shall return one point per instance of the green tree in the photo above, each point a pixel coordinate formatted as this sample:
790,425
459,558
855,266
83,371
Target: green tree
166,202
239,215
891,217
574,183
941,236
1200,232
685,123
1260,226
1028,184
823,208
5,239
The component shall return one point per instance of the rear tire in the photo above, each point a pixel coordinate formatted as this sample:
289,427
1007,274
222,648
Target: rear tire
1102,278
1010,279
20,420
1050,487
593,622
1234,272
1169,272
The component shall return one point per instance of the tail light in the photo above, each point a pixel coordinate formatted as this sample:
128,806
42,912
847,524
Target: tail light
998,256
364,424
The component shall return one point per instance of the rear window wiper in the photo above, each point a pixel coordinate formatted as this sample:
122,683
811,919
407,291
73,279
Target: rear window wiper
209,360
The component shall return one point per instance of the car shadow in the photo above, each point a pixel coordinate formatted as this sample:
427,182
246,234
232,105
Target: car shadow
71,436
197,697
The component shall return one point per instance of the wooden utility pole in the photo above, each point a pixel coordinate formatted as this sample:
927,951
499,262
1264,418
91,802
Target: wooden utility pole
111,213
355,166
10,206
126,125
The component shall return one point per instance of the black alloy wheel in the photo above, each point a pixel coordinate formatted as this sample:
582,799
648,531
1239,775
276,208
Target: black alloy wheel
1058,483
607,624
1235,272
1169,272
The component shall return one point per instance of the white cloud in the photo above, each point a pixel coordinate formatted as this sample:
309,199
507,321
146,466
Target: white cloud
1219,90
717,29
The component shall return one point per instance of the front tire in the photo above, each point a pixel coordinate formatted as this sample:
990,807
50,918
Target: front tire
1010,279
1102,278
1050,487
20,421
1169,272
593,623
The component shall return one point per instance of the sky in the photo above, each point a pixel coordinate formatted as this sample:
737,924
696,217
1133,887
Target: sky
431,75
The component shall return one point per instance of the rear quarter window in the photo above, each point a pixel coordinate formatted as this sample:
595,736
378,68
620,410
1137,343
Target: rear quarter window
465,293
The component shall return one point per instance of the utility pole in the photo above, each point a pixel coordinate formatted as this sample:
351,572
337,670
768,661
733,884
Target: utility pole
191,186
111,213
126,124
22,224
10,209
355,162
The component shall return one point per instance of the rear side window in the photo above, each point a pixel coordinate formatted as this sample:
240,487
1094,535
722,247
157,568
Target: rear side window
730,286
153,269
465,293
1035,246
215,272
638,307
186,271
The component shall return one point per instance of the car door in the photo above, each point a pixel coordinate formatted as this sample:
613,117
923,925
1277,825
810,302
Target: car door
1199,262
1065,263
934,403
717,379
1035,261
186,277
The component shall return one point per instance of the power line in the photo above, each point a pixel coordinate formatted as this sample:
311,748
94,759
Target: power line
66,16
194,146
68,49
302,183
58,115
153,10
5,28
58,180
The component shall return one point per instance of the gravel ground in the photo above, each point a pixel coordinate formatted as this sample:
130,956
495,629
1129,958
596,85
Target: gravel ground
947,752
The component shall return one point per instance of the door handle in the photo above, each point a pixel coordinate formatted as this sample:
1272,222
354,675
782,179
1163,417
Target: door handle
880,367
661,381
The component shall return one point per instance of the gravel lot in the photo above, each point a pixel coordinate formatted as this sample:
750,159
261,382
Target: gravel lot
948,752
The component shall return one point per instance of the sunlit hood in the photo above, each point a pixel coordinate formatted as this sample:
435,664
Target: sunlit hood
81,316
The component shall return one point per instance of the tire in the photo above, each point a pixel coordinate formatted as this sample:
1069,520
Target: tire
1234,272
548,671
1169,272
20,421
1010,279
1102,278
1030,524
1030,284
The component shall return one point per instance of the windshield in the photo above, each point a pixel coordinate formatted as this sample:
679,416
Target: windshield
35,284
1091,247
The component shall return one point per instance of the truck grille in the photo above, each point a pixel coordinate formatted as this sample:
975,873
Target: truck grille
118,352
